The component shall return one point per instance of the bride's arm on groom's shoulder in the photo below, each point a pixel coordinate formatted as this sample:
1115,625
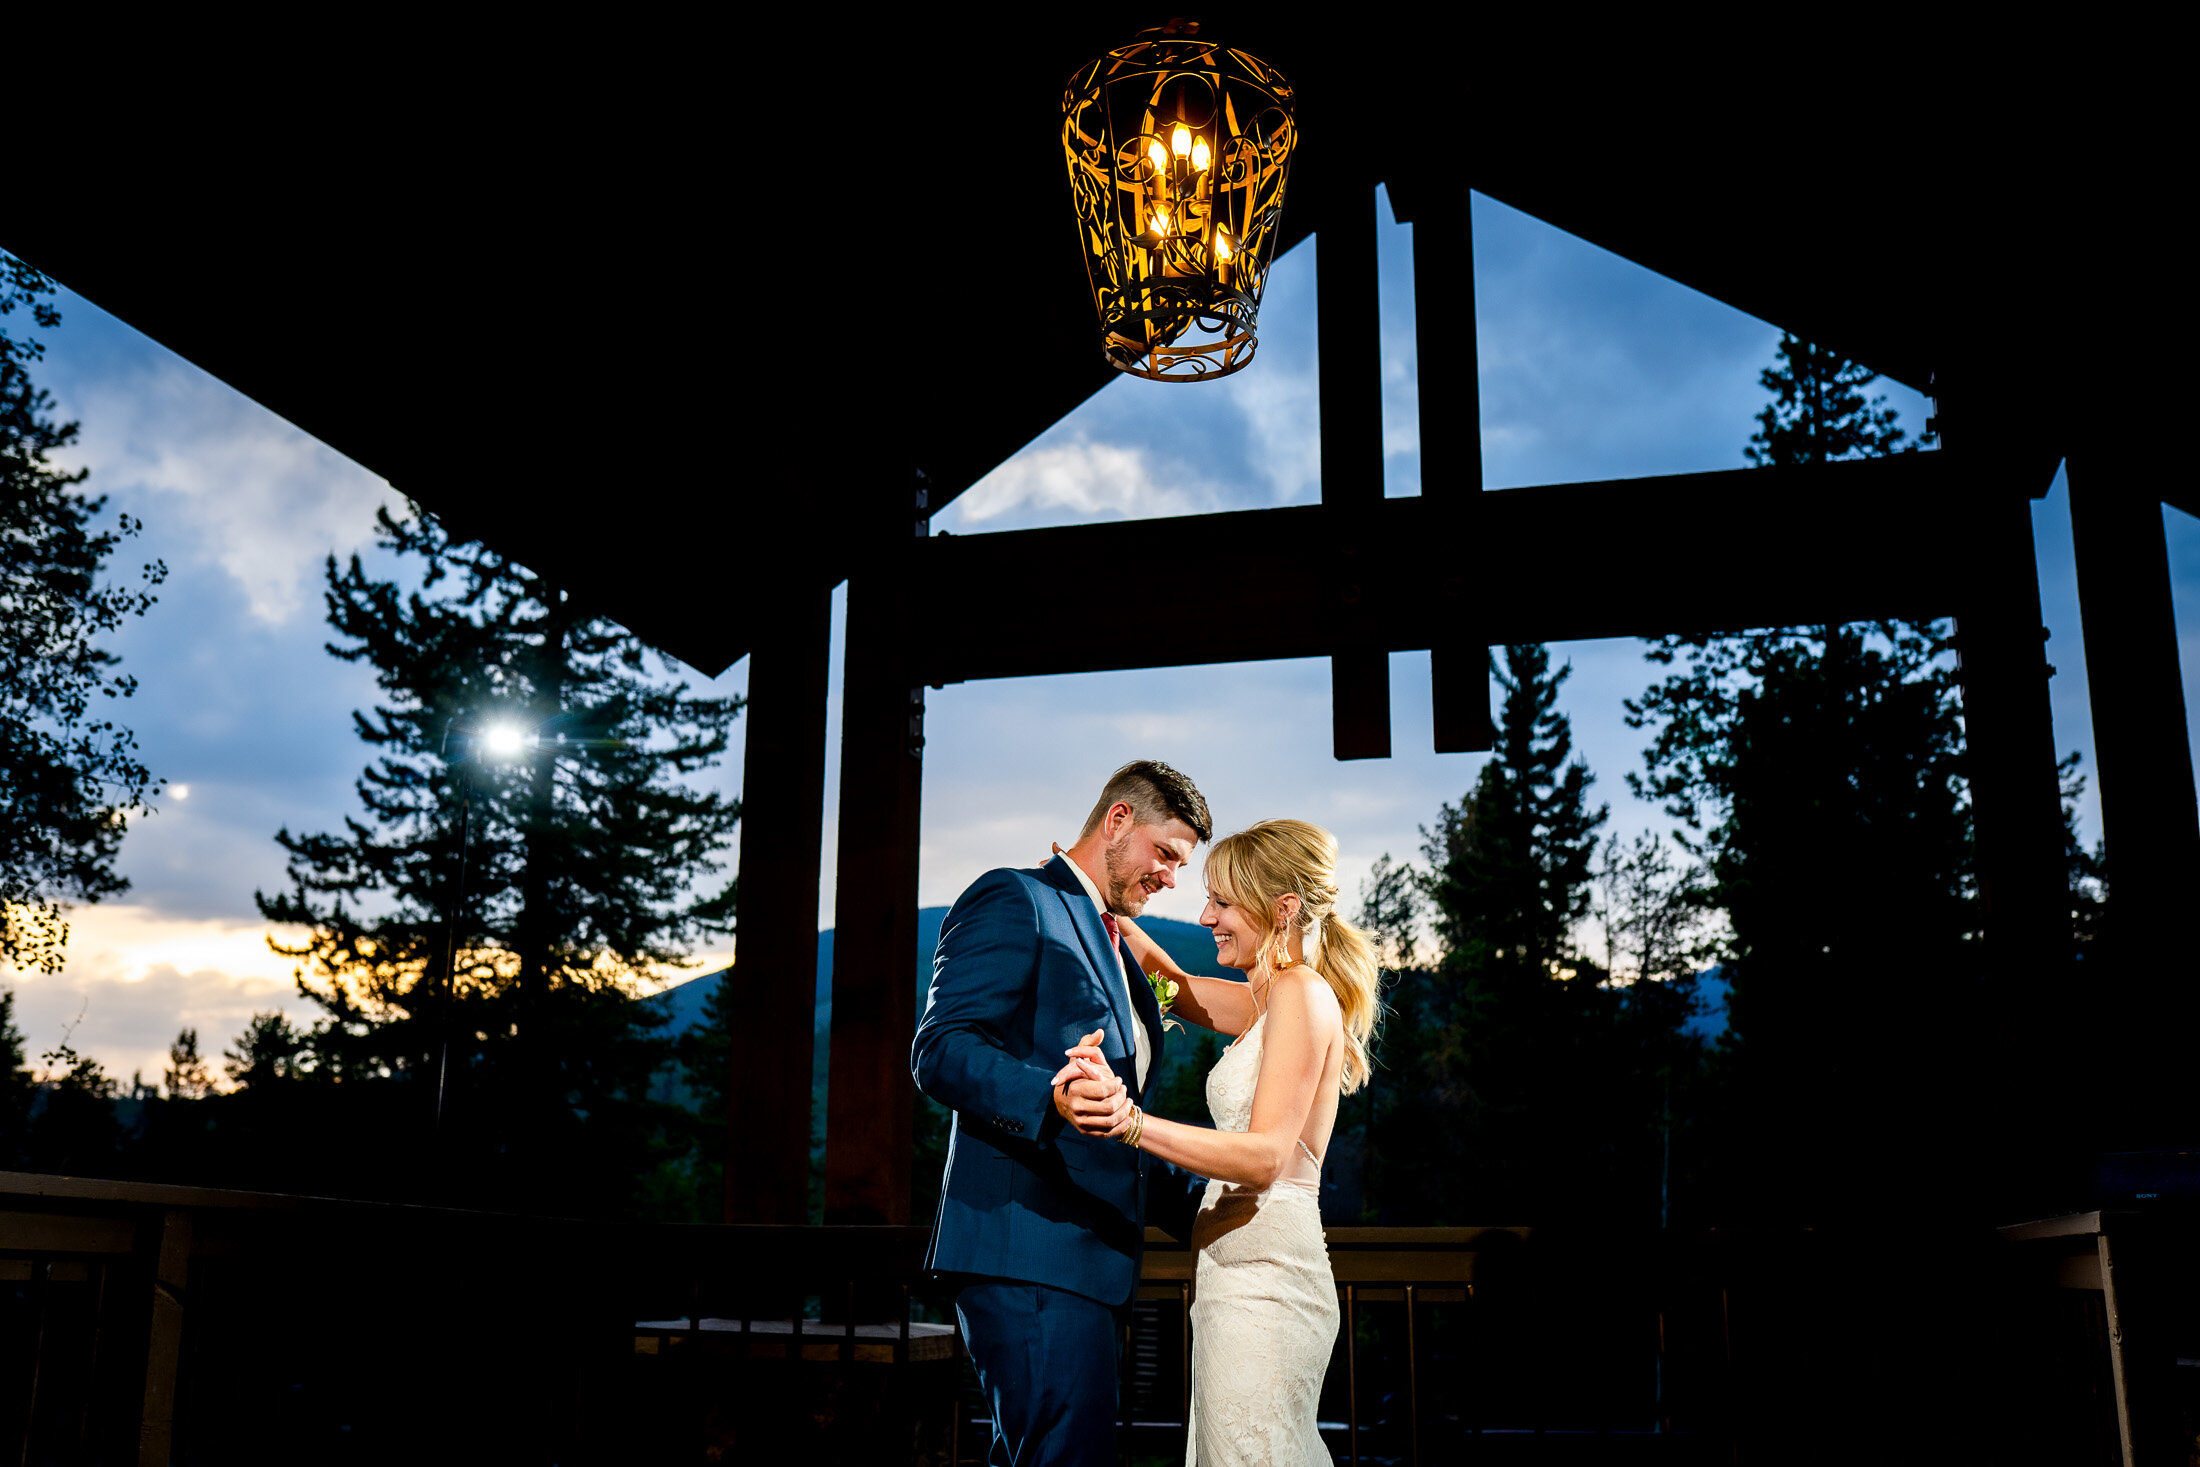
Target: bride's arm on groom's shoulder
1215,1003
1303,1022
1211,1003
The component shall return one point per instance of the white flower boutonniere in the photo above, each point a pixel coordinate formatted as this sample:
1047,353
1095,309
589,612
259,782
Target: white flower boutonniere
1164,994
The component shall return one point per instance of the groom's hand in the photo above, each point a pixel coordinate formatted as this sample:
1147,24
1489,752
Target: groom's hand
1087,1093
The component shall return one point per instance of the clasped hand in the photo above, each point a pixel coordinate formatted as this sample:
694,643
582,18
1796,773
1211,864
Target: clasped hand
1087,1092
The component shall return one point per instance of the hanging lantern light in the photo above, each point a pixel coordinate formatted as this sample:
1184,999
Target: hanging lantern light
1178,149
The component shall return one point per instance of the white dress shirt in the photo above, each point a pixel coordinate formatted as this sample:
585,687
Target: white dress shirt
1142,1043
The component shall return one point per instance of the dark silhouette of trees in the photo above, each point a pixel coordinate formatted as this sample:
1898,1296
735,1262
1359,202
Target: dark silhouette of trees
534,740
17,1085
187,1077
69,778
1819,413
1508,1083
1818,774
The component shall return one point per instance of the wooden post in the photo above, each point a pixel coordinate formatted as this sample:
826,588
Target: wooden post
782,839
1351,353
2026,1134
870,1105
164,1341
2143,759
2010,731
1445,348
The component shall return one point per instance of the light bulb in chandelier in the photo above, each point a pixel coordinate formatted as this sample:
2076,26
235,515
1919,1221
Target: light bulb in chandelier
1167,137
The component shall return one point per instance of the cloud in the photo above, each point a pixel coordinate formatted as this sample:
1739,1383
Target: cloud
134,978
267,501
1089,480
1281,409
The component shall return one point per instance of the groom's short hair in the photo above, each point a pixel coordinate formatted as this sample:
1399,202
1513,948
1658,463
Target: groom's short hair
1156,794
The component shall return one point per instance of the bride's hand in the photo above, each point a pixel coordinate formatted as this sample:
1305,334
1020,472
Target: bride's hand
1087,1092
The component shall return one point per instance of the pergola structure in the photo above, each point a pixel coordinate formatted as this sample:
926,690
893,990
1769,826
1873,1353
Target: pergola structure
704,327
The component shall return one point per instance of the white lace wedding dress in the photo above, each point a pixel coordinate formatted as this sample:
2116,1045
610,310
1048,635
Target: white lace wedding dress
1264,1316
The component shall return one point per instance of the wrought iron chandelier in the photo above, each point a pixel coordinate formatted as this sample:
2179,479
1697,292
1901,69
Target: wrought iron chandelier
1178,149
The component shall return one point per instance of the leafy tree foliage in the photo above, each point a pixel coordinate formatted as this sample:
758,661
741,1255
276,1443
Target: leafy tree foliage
569,848
69,778
269,1051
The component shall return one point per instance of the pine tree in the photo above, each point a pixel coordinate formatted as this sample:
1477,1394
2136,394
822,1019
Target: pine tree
1819,413
69,779
1818,774
187,1077
531,776
1509,866
1503,1054
1391,908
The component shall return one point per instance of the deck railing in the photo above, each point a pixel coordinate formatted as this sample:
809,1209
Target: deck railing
159,1325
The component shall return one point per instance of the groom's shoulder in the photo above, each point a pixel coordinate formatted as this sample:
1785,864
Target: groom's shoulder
1003,883
1002,898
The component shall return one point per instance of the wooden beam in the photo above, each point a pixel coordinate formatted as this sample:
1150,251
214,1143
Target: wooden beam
1359,703
1880,538
870,1099
782,810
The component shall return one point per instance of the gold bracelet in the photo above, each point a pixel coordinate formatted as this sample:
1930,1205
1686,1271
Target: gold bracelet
1137,1127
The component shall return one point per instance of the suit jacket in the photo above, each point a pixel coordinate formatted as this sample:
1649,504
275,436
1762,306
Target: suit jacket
1023,971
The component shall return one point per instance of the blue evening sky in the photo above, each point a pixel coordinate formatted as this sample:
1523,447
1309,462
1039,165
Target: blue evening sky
1592,367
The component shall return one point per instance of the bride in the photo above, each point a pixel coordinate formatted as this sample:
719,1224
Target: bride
1265,1316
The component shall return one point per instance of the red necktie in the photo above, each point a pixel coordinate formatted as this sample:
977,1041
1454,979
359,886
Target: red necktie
1115,933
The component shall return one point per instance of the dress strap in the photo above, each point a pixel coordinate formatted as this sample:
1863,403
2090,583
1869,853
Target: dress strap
1310,1156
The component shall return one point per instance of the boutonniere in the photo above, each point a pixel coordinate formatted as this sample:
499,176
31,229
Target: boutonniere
1164,994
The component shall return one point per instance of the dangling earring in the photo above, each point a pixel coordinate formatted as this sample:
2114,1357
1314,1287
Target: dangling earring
1283,949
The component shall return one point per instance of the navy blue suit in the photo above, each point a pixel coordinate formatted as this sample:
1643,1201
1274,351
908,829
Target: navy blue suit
1044,1225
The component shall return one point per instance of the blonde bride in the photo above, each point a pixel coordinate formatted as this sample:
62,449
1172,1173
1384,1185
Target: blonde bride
1265,1317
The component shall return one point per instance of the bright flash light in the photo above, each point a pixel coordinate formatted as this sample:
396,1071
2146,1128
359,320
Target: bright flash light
1222,245
505,740
1180,140
1158,156
180,791
1200,155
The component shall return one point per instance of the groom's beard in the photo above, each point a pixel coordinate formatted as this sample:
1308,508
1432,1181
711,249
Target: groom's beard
1127,894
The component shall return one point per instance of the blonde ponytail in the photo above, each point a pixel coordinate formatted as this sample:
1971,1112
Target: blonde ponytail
1348,962
1259,866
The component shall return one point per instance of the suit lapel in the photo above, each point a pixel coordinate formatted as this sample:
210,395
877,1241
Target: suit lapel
1085,917
1149,1010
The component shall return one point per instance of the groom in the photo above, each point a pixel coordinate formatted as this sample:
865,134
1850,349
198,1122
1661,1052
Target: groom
1041,1227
